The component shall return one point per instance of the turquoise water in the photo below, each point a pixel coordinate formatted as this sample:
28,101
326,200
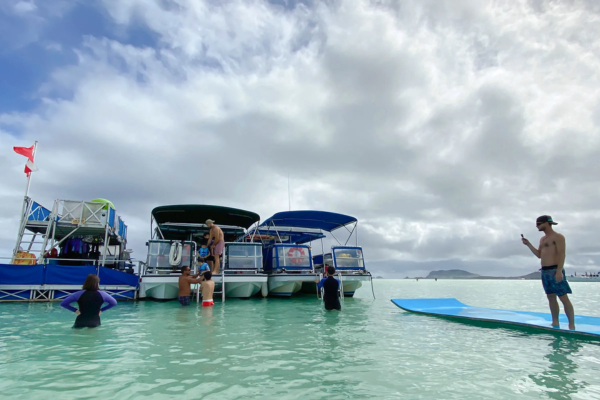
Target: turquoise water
292,349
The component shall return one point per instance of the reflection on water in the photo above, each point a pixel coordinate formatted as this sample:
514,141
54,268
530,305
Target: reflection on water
558,377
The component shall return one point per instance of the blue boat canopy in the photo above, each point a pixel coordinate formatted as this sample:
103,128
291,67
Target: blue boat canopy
287,234
323,220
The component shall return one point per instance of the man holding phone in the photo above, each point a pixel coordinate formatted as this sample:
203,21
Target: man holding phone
552,253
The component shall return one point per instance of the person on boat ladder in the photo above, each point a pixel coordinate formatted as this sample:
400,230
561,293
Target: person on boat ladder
216,243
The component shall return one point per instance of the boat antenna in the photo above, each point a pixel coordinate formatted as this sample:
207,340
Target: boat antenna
289,195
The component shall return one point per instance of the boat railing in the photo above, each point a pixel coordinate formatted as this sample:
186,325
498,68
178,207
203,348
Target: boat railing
46,261
241,271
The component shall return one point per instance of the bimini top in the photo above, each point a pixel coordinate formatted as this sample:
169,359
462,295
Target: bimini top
285,233
198,214
323,220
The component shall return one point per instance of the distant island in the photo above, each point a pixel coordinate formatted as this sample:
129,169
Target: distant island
452,274
460,274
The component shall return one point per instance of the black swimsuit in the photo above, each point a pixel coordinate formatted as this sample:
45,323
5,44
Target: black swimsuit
330,297
90,303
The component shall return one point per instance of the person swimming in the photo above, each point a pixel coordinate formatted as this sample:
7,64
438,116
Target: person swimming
90,301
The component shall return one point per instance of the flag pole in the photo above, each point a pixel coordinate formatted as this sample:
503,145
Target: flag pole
29,175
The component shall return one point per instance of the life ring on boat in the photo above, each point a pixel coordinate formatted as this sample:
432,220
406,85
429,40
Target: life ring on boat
175,254
296,255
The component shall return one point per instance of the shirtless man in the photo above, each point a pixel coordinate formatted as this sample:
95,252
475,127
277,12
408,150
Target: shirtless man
207,287
552,252
185,280
216,243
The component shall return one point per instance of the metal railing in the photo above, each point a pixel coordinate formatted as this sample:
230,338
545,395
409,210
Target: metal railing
49,261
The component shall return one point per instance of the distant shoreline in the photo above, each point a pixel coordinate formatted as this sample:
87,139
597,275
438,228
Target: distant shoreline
458,274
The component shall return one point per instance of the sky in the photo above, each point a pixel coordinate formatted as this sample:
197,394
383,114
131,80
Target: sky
445,127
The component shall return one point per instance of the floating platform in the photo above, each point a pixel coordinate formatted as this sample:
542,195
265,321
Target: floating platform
55,282
454,309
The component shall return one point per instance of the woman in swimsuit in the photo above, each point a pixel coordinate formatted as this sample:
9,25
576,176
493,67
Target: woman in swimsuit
90,301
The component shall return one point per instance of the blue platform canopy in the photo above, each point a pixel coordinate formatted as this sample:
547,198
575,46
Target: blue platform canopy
326,221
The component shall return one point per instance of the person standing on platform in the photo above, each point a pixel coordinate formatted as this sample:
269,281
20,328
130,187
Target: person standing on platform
552,253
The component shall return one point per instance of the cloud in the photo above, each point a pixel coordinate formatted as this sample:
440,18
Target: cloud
445,130
23,7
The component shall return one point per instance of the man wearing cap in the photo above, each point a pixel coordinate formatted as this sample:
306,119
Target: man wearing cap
552,252
216,243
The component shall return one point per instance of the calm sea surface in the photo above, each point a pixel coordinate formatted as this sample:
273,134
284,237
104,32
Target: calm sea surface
293,349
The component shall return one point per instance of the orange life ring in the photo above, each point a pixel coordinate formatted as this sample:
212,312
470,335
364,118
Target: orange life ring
295,259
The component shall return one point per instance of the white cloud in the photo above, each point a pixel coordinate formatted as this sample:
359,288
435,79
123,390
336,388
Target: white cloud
54,46
23,7
446,130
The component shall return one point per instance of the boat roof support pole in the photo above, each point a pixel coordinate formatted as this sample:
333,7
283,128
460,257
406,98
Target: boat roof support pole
335,238
24,214
323,250
351,232
54,220
159,231
276,232
105,247
49,228
66,237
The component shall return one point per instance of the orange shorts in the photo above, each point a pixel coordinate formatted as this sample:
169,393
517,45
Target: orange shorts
207,303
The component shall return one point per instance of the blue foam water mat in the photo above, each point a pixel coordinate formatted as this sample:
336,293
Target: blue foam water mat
585,326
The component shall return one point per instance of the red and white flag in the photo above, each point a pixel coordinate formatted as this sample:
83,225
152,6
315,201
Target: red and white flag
27,152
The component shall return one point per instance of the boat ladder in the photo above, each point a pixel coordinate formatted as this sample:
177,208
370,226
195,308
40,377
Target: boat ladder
221,292
341,289
319,294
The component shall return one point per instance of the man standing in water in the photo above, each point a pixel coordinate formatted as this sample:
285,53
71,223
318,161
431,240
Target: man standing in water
185,280
331,287
216,243
552,252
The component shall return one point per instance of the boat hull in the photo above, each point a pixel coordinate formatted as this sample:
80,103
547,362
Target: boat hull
285,285
166,287
351,284
159,287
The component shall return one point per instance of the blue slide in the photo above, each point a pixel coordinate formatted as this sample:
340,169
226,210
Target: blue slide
586,326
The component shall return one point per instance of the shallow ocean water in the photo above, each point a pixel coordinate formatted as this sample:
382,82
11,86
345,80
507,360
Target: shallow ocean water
293,349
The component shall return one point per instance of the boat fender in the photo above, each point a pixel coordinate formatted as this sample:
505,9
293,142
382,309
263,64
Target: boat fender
175,254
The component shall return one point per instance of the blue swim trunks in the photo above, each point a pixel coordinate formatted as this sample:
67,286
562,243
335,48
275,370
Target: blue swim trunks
551,286
184,300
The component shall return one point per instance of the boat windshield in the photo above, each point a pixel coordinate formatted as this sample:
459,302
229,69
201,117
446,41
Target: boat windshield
243,256
292,256
349,258
159,252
